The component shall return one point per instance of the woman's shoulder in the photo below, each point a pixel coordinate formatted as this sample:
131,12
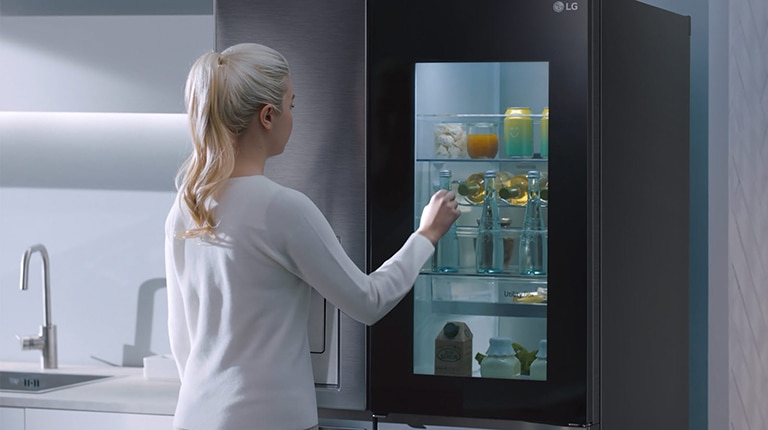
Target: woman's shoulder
293,199
265,190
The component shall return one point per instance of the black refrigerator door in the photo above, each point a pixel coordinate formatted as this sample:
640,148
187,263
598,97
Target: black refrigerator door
406,41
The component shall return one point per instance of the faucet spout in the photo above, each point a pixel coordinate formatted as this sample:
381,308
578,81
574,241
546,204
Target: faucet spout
46,277
46,340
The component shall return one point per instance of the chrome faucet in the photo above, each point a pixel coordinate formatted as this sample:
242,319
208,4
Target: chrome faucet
46,340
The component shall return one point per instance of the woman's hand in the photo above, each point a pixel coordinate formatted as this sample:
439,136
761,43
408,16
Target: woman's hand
438,215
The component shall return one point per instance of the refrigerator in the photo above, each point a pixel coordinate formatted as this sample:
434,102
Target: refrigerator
592,96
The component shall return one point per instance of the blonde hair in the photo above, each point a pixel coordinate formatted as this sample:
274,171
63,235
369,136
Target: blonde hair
224,92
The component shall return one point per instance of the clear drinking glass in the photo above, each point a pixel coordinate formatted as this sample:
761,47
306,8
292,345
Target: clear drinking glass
482,140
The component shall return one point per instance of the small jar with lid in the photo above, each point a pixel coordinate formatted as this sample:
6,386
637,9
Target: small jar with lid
539,365
500,360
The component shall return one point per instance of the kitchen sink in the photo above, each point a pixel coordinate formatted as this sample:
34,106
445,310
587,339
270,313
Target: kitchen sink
35,382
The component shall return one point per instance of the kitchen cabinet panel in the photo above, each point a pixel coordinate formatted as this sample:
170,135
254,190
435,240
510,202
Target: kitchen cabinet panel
137,64
51,419
12,418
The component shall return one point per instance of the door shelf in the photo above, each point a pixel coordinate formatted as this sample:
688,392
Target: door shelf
522,310
459,294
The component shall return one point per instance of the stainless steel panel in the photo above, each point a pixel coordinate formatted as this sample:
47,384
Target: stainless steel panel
324,43
324,341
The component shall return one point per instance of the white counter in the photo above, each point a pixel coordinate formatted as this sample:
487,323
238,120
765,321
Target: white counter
126,391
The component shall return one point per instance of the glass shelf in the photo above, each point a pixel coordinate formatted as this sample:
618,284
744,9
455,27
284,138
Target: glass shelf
522,310
482,160
468,273
502,204
439,116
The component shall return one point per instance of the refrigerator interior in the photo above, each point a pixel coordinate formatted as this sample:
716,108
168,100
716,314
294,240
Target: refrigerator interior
455,97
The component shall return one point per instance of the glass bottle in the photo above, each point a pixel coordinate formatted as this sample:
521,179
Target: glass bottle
473,188
539,365
544,189
533,238
490,243
500,360
446,256
514,190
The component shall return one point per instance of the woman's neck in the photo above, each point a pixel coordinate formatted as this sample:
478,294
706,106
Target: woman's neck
249,161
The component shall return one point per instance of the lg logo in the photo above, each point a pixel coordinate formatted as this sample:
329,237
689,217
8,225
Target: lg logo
559,6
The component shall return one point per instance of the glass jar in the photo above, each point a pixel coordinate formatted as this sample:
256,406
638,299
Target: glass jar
482,140
539,365
500,360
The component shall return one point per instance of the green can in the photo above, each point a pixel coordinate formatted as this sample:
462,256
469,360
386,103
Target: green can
518,133
544,142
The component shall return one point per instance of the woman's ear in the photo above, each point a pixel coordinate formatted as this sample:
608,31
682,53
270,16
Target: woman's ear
265,116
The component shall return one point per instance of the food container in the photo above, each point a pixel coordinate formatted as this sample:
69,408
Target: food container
450,140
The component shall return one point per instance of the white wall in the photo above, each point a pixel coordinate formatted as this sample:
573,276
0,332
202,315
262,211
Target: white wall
748,214
92,132
103,246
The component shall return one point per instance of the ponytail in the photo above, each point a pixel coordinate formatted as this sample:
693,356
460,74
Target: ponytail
224,92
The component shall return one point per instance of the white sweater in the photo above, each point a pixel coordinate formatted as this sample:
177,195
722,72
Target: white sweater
238,305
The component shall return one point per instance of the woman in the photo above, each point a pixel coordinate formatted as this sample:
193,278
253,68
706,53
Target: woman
243,252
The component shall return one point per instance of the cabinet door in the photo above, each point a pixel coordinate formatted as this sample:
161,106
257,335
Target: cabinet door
12,418
99,79
50,419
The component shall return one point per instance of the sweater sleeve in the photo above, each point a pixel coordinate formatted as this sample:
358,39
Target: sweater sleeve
314,254
178,331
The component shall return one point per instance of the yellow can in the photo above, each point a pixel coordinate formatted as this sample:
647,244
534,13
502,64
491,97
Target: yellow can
518,133
544,142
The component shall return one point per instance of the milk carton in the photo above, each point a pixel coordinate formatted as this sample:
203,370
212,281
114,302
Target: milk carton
453,350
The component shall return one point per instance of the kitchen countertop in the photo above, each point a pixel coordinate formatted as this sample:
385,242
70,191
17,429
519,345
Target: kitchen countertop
126,391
